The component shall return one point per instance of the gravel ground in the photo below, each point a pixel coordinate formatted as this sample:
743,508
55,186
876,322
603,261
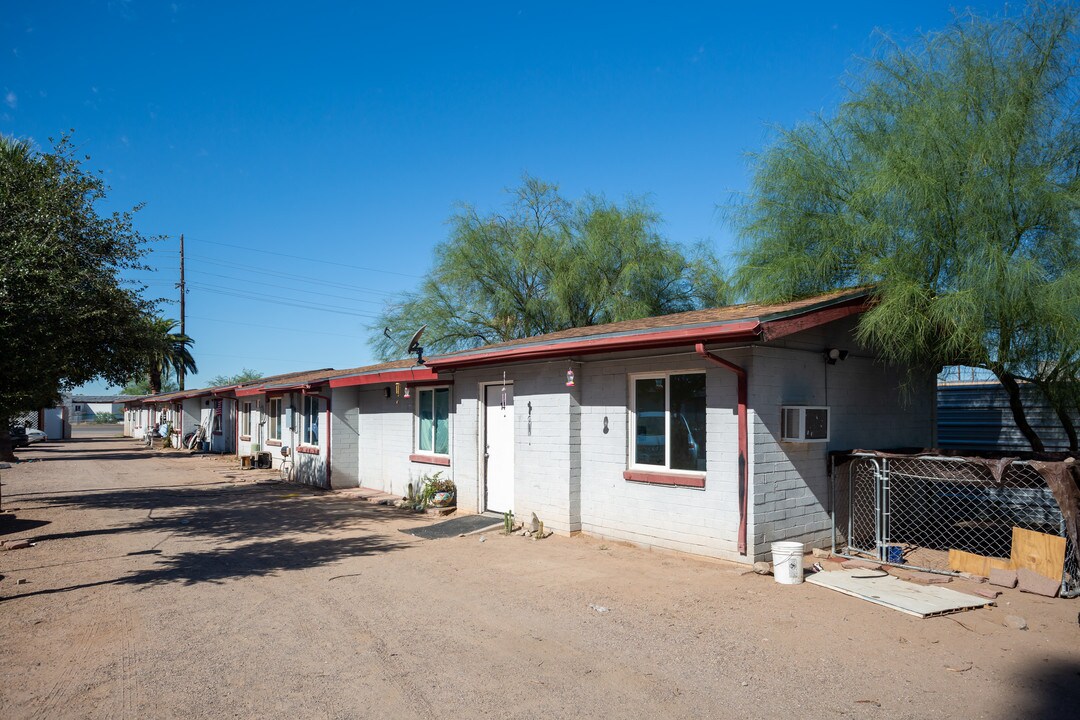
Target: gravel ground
164,585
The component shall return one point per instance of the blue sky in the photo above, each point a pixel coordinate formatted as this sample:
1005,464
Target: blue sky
311,152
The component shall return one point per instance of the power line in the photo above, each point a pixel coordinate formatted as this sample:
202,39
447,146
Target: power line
270,327
274,300
285,276
292,256
310,292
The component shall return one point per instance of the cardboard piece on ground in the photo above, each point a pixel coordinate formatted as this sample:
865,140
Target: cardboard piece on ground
888,591
962,561
1045,554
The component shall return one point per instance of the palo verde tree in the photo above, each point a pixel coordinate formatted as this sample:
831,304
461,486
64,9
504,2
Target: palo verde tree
949,180
547,264
245,375
66,315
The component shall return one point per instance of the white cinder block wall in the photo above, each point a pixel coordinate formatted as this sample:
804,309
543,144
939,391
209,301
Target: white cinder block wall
385,442
547,456
701,521
790,488
345,437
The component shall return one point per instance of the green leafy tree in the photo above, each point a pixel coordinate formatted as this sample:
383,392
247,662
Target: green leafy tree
245,375
949,180
66,316
141,386
546,264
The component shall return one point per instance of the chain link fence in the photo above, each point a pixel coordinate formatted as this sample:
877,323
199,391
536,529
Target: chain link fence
27,420
911,511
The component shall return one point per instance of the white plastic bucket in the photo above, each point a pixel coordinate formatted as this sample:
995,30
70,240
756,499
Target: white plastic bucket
787,562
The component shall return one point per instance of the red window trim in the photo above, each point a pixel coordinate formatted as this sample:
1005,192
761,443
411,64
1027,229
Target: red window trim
273,443
665,478
430,459
308,449
245,438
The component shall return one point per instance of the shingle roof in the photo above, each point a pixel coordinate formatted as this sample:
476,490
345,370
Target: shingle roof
694,318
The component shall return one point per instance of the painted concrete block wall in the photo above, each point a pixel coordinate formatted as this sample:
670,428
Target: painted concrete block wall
790,488
385,441
345,438
701,521
546,442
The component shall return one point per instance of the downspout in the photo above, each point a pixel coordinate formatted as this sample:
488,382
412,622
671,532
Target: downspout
744,452
329,433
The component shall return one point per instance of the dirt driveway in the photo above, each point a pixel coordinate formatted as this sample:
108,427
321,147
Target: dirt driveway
169,586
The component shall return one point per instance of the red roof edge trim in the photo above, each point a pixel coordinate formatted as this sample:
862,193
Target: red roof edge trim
775,329
411,375
641,341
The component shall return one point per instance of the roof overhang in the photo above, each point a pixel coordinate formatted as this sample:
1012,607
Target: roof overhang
762,329
408,375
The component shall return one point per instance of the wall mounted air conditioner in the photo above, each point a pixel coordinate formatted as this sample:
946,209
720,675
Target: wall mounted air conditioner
804,423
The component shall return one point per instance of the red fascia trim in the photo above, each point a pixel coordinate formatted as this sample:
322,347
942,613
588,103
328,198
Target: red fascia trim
248,392
430,459
663,478
389,376
307,449
775,329
730,332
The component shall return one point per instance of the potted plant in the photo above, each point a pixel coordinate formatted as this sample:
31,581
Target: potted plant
442,491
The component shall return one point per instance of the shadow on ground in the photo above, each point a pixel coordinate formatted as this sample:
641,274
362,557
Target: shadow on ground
11,524
246,530
256,559
1053,689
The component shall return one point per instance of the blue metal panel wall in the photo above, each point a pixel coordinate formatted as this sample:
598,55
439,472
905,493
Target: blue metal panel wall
977,417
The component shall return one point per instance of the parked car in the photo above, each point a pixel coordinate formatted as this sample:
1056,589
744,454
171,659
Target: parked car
34,435
19,438
651,439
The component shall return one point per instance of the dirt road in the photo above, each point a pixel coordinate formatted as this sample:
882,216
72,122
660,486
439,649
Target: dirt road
168,586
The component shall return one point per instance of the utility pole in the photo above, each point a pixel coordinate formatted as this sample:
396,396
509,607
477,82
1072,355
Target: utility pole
183,293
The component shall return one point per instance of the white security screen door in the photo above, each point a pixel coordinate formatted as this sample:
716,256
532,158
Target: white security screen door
499,453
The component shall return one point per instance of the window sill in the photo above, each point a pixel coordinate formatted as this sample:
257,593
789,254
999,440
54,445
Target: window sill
245,438
430,459
308,449
273,443
653,477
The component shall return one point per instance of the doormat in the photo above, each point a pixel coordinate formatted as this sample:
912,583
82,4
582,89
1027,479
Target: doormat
457,526
919,600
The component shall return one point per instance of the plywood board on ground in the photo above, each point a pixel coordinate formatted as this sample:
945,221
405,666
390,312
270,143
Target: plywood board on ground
1045,554
918,600
961,561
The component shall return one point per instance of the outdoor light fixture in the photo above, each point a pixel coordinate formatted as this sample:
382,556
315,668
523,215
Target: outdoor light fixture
834,354
406,395
386,391
570,377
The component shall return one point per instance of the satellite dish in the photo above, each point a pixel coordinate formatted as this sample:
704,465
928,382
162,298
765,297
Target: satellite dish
415,347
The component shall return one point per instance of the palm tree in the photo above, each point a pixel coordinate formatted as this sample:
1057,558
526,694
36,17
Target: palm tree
170,353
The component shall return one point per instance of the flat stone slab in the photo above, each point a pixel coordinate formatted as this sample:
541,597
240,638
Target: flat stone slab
456,526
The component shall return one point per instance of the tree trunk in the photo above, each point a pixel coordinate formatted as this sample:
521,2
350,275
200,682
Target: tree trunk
155,382
1012,389
7,450
1069,426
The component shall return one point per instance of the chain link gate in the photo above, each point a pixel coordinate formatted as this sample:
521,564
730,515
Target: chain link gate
910,511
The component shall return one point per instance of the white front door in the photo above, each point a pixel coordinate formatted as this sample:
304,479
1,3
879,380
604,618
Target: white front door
499,453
